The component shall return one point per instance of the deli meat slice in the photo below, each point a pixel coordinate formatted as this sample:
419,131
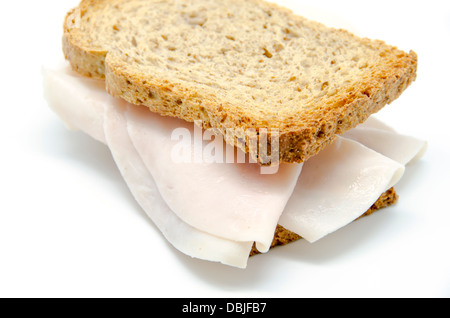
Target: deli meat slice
230,200
385,140
184,237
336,187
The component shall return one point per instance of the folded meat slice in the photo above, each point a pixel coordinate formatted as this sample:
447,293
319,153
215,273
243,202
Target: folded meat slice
78,101
336,187
230,200
385,140
345,179
185,238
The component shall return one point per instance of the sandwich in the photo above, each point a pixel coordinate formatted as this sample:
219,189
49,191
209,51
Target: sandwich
237,124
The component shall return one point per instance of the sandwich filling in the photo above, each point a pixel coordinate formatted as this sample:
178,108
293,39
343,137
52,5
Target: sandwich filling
216,211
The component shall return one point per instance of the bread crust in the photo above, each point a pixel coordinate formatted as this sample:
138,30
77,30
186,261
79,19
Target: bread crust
298,140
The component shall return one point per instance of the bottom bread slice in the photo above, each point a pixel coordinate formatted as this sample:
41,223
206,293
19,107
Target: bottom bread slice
283,236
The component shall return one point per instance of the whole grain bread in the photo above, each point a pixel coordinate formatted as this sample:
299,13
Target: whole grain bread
283,236
238,66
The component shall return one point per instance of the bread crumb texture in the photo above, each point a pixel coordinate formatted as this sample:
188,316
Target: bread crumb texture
241,65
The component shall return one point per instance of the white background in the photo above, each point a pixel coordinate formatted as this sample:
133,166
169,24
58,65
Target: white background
70,228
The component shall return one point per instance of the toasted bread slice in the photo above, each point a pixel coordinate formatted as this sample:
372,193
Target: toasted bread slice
283,236
237,66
